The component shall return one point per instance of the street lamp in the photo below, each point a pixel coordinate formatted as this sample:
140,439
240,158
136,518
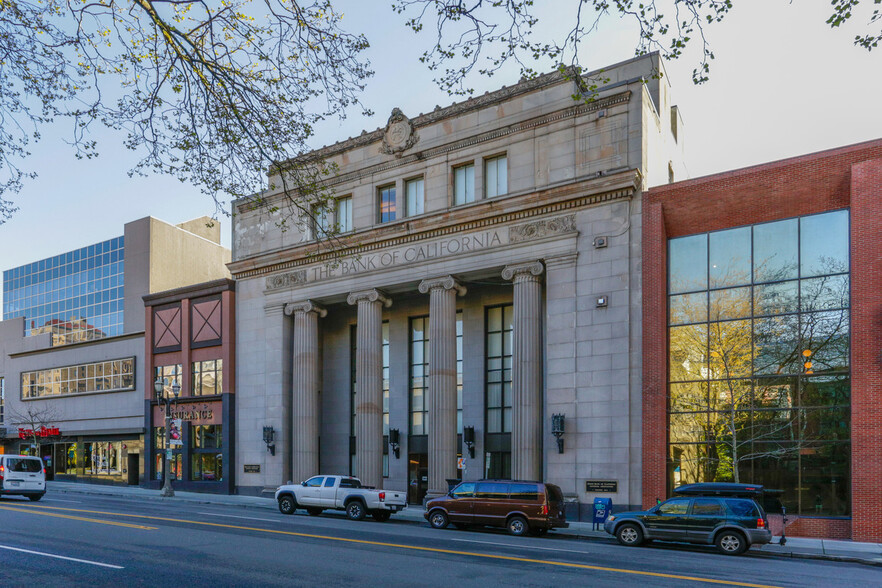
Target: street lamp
159,388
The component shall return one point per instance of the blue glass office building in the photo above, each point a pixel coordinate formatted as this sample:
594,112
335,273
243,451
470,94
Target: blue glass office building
76,296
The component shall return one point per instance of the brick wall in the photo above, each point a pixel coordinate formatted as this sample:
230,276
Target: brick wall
839,178
866,352
819,528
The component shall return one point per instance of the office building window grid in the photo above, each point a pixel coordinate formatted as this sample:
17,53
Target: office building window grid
75,296
103,376
759,374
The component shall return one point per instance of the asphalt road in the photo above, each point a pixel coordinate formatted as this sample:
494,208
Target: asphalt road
74,540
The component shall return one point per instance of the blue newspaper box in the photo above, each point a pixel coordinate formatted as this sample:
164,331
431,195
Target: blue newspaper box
602,508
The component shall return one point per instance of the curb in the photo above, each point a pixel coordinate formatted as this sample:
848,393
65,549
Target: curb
270,504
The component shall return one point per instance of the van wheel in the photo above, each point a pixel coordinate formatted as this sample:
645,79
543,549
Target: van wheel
313,512
287,505
517,526
355,510
731,543
35,497
438,519
629,535
381,516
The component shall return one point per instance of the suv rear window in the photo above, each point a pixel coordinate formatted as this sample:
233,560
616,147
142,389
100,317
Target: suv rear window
741,507
555,496
24,465
492,490
524,491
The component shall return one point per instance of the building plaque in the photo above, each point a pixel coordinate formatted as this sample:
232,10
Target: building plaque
252,468
601,486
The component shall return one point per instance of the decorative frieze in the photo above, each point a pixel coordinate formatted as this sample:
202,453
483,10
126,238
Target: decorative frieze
543,227
286,280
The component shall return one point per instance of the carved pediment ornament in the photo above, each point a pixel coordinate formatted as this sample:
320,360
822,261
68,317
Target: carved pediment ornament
399,135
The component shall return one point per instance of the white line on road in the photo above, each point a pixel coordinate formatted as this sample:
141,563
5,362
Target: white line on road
214,514
85,561
60,500
531,547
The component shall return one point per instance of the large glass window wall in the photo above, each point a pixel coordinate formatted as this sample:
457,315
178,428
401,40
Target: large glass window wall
76,296
102,376
500,327
419,372
759,375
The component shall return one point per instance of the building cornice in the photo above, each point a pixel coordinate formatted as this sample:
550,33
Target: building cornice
59,348
484,213
193,291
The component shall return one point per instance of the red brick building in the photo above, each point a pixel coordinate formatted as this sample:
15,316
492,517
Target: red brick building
762,336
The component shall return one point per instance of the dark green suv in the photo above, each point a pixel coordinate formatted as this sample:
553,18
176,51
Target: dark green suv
726,515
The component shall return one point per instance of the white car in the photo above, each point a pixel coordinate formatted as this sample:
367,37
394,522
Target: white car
22,475
340,493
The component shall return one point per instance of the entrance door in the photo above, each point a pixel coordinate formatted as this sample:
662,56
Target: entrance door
46,456
418,477
133,469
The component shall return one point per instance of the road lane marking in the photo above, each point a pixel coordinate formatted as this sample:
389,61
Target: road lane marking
425,549
60,500
85,561
28,510
214,514
531,547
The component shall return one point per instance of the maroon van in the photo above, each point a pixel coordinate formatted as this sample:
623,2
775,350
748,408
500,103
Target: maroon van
521,507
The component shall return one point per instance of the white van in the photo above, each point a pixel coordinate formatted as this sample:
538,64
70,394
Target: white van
22,475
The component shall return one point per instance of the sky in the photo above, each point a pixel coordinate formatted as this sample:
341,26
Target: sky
782,84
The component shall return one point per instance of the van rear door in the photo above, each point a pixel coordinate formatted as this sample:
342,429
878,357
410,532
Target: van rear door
24,473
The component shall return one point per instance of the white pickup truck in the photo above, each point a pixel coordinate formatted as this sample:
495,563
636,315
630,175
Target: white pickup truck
339,493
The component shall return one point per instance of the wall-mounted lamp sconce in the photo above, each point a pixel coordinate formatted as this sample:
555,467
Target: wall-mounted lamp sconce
268,435
395,442
557,429
468,437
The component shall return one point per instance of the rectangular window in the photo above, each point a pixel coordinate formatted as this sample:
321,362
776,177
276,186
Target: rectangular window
499,329
419,371
208,377
459,373
495,176
170,375
758,360
320,219
386,367
344,214
2,398
415,198
206,437
105,376
386,201
464,184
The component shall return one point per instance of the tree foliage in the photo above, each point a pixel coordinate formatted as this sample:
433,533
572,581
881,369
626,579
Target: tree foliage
212,93
485,35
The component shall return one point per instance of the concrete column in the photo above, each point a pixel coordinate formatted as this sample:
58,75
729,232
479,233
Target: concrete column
442,380
526,426
369,386
305,425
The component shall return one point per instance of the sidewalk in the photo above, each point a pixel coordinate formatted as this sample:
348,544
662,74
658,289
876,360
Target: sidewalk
796,547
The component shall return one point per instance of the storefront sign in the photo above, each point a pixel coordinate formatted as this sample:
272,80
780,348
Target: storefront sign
41,432
252,468
601,486
198,413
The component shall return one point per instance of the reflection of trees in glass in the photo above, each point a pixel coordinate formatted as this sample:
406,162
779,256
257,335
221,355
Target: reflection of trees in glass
736,419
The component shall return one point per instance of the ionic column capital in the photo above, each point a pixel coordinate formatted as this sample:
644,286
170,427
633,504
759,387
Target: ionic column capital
304,307
527,271
372,295
444,282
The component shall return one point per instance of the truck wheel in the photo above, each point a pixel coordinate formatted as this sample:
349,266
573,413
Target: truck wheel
517,526
629,535
355,510
313,512
287,505
438,519
731,543
381,515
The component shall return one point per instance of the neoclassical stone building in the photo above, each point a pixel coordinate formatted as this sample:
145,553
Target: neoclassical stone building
487,278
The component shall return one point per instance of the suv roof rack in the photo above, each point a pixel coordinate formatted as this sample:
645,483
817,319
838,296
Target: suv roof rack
719,489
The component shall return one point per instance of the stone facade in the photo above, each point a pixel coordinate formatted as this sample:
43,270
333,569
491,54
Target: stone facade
560,245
